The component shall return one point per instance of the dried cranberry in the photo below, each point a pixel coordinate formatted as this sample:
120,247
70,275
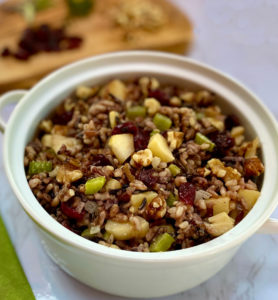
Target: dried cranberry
147,177
160,96
43,38
71,212
187,193
124,197
209,212
100,160
141,140
28,34
22,54
72,42
62,117
239,217
127,127
6,52
231,121
27,46
42,33
223,142
52,45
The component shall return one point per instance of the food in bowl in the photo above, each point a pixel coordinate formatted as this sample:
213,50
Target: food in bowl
144,166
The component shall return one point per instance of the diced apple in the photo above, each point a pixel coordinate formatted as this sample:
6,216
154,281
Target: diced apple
113,115
127,230
118,89
122,145
221,204
250,197
55,141
137,199
219,224
158,146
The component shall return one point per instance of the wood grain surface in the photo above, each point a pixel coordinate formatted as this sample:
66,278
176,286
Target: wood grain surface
99,33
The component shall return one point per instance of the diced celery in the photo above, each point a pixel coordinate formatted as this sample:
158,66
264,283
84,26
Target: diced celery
136,111
162,122
175,170
94,185
90,232
201,139
199,116
155,131
162,243
171,199
36,167
79,8
86,234
106,235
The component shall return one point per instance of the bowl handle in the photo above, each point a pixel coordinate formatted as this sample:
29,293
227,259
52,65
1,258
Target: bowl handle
269,227
7,98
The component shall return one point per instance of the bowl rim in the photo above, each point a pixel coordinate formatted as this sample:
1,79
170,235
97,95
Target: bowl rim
71,239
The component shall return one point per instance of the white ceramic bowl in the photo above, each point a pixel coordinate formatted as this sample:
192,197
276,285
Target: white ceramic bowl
126,273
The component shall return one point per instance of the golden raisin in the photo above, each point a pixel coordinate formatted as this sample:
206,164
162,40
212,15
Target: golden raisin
253,167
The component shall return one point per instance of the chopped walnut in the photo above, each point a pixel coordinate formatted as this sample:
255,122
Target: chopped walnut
143,157
174,139
227,173
251,148
152,105
217,167
140,14
232,174
156,208
147,83
65,175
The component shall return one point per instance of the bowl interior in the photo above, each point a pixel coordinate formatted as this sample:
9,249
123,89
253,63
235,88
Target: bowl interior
232,97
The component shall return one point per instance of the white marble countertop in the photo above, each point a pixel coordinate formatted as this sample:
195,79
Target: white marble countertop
241,39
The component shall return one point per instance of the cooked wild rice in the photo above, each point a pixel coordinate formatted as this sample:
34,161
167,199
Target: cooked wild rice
142,166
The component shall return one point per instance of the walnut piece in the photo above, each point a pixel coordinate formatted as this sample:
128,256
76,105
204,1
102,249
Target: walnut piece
65,175
143,157
174,139
156,208
152,105
217,167
227,173
147,83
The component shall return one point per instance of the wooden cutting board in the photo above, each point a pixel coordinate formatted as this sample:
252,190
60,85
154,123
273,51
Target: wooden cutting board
99,33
